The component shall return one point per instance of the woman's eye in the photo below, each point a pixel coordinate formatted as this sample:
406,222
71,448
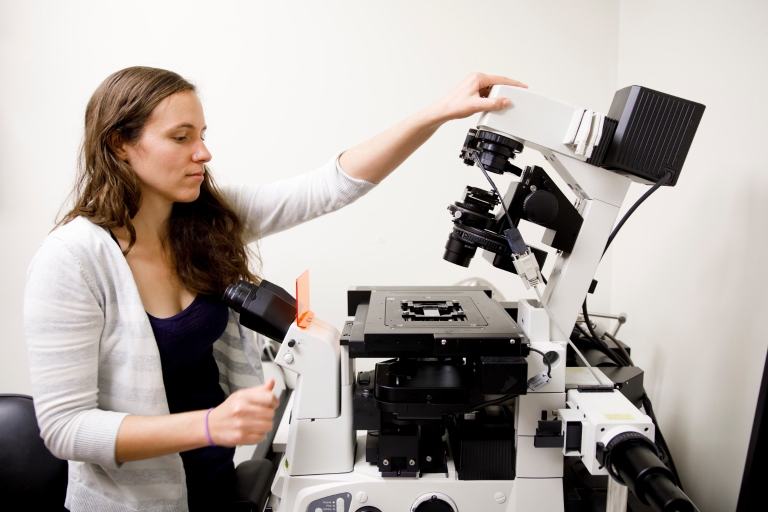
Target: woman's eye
180,139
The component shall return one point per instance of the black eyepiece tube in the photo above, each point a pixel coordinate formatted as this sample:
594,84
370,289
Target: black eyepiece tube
638,465
236,294
265,308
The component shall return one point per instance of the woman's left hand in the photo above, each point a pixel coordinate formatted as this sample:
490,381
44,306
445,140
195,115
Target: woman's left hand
470,97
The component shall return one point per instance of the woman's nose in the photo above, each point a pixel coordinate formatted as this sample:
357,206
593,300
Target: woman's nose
202,154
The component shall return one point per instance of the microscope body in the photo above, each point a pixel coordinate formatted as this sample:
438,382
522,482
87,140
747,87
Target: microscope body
322,405
413,435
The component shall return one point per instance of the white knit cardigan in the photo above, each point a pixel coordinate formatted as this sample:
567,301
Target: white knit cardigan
94,358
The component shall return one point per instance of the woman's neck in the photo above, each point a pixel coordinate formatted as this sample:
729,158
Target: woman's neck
150,222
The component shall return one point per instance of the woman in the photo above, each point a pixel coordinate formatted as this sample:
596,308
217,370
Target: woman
142,378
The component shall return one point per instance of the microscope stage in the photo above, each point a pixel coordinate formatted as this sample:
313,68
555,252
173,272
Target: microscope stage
429,322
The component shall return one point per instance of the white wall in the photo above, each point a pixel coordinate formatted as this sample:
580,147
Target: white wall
689,267
285,85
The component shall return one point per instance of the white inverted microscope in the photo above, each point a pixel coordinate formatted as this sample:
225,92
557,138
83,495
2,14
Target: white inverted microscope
481,402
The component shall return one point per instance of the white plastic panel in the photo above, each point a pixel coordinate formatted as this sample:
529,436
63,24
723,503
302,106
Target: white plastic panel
529,409
534,321
535,462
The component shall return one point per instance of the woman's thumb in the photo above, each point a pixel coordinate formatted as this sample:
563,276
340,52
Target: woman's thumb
498,103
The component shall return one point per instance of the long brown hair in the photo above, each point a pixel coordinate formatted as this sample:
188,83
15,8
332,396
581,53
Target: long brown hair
205,236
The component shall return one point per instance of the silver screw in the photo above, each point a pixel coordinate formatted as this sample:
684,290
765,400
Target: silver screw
411,462
385,462
533,188
429,459
512,341
443,342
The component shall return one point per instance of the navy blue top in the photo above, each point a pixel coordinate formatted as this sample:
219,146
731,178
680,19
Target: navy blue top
191,379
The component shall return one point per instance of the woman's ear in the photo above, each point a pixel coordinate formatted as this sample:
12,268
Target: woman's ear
116,145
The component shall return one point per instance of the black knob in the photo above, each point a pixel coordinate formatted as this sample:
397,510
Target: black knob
291,343
540,207
434,504
494,138
368,509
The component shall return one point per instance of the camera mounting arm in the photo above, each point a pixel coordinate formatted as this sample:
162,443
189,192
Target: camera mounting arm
541,123
646,135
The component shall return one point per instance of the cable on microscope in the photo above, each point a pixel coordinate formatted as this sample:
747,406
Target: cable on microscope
647,405
568,339
623,351
596,339
512,226
493,185
603,349
654,188
546,360
495,401
667,176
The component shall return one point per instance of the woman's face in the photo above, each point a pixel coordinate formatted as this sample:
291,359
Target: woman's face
170,153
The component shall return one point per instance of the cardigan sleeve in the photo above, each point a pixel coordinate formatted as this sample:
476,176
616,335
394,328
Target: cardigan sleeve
64,320
272,207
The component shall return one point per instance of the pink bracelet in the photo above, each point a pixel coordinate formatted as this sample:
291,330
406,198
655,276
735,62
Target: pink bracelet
208,432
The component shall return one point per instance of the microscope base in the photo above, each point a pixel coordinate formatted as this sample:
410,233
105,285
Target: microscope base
365,487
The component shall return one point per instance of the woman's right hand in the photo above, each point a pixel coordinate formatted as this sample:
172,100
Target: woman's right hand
244,417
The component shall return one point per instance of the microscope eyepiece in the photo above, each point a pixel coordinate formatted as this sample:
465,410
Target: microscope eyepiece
235,294
265,308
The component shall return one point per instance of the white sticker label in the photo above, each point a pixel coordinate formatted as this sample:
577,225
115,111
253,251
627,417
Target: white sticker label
619,417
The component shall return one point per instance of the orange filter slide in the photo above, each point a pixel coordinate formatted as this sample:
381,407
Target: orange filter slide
304,315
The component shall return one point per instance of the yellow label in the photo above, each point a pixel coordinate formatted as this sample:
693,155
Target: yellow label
286,463
575,369
619,417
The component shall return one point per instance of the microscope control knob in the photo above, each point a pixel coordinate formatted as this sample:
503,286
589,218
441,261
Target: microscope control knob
291,343
288,358
540,206
434,502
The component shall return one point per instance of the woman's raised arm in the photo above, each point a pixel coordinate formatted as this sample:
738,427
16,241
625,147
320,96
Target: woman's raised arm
374,159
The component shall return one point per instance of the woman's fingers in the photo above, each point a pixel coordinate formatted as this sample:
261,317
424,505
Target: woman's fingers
491,80
244,416
471,96
260,395
493,104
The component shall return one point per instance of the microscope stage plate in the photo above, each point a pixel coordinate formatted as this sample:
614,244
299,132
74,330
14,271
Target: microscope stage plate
430,322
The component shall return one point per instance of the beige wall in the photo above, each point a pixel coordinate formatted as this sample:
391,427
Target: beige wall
689,267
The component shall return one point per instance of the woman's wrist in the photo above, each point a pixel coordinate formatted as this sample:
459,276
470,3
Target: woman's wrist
207,429
144,437
434,116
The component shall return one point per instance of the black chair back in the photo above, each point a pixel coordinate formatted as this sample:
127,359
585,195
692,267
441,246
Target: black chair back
30,475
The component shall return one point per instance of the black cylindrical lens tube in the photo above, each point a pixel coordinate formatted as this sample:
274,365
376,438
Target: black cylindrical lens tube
235,294
637,463
457,252
663,495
